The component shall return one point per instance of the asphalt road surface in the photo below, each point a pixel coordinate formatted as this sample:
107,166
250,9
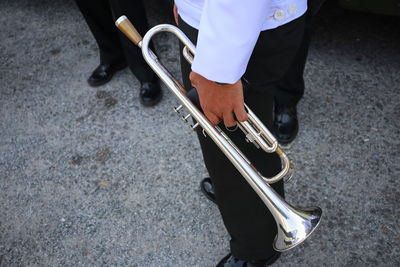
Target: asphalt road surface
89,177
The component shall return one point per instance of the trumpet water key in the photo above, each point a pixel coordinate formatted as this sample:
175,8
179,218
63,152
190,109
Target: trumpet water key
294,225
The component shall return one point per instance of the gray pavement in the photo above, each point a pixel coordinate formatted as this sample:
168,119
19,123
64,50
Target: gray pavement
89,177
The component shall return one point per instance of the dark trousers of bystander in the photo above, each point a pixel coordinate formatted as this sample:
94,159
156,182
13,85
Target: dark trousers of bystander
114,46
290,89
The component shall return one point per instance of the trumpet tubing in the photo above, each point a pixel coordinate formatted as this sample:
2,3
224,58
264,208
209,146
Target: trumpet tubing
294,225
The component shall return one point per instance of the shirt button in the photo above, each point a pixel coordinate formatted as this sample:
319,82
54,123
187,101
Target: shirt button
292,9
279,14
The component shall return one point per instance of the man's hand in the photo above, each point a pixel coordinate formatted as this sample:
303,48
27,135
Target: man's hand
220,102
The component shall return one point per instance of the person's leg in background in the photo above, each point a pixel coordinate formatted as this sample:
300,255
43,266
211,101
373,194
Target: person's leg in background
247,219
116,51
289,91
97,14
150,91
290,88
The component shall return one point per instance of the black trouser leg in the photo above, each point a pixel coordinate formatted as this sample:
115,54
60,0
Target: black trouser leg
97,14
248,221
136,13
114,47
290,88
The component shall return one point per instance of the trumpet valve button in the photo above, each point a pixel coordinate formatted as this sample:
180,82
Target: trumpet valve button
178,109
250,138
193,127
185,118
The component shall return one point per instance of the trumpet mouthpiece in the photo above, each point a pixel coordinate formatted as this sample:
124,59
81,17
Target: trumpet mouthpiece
119,20
126,27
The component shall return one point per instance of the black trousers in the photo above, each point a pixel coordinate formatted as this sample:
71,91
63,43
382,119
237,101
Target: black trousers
290,89
114,47
248,221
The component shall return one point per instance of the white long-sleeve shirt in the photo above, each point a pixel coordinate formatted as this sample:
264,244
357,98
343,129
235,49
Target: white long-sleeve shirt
229,29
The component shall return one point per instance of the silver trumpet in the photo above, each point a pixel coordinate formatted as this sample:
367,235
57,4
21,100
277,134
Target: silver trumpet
294,225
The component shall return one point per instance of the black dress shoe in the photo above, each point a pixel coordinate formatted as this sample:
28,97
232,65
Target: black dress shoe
230,261
286,125
207,188
104,72
150,93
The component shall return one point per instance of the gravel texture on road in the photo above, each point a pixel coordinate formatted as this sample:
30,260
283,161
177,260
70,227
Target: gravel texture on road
89,177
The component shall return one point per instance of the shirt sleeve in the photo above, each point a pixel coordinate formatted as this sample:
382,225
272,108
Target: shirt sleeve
228,32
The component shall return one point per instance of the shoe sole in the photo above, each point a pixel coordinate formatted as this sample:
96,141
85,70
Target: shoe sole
286,142
94,84
152,103
205,193
117,68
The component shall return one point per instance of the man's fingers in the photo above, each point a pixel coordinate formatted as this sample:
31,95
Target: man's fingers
212,118
240,113
229,121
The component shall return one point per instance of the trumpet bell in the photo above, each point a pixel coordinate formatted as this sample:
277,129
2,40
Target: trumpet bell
296,228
